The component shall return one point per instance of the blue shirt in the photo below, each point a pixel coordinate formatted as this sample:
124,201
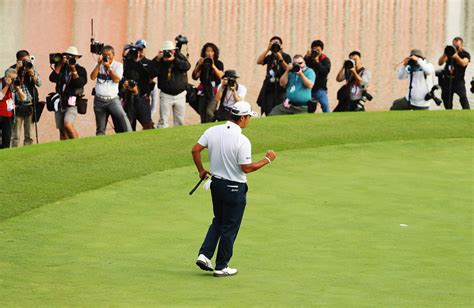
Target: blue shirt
296,91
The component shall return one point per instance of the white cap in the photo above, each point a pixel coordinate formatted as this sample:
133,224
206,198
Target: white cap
242,109
168,45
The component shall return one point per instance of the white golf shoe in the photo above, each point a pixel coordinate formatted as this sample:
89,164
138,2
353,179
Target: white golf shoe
204,263
225,272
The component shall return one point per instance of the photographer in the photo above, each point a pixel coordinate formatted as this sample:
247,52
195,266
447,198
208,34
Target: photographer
108,73
135,61
11,93
171,67
70,79
209,70
228,93
419,72
456,60
321,65
136,107
298,80
271,93
353,94
29,81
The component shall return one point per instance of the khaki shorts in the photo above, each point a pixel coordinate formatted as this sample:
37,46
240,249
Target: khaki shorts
69,116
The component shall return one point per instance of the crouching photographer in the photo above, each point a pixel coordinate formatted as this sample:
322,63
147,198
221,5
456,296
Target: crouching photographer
135,105
420,75
451,78
70,79
228,93
353,95
108,73
209,70
29,80
171,66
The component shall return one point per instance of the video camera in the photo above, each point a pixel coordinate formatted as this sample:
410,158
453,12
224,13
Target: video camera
96,47
180,41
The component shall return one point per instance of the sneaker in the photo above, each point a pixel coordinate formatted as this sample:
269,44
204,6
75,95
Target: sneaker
204,263
225,272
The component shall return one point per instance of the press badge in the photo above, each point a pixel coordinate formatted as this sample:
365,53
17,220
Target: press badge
71,101
292,89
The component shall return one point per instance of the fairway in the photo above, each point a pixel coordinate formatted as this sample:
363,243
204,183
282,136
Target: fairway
322,226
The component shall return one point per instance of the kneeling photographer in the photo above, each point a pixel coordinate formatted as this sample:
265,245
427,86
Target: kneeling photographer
70,79
29,80
420,85
353,95
451,79
209,70
276,60
228,93
171,66
135,105
108,73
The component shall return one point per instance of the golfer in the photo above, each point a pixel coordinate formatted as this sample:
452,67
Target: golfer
230,159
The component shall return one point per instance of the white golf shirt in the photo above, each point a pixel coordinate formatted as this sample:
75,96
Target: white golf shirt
228,149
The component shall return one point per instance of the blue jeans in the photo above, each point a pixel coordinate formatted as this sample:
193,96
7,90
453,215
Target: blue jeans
322,97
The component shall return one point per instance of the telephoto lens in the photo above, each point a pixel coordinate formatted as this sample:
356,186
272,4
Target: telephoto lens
348,64
71,61
296,68
275,47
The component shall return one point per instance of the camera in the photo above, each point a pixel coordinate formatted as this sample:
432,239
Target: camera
432,95
132,83
275,47
348,64
96,47
167,54
366,96
207,63
412,63
131,52
180,41
16,83
231,82
314,53
450,50
71,60
26,64
296,68
105,59
55,58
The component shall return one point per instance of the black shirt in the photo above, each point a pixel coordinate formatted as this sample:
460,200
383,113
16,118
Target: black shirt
140,72
172,76
73,87
274,67
459,70
207,76
322,69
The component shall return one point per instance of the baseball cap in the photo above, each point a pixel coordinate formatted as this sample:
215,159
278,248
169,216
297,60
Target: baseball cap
141,43
242,109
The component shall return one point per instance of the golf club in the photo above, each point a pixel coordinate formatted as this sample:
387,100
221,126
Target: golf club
196,187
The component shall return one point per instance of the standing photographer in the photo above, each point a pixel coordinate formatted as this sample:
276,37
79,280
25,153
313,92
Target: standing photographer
419,72
456,60
298,80
11,93
321,65
29,81
271,93
70,79
171,67
108,73
357,78
135,105
228,93
209,70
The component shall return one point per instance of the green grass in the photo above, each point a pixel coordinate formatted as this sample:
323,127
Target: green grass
108,221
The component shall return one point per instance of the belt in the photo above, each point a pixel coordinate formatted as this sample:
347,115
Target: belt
105,98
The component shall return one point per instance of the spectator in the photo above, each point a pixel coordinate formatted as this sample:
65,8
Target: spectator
276,60
209,70
11,93
419,72
108,73
353,94
29,81
298,80
229,93
456,60
321,65
70,79
171,67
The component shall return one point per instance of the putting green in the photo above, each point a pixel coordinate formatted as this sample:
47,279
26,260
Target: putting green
322,226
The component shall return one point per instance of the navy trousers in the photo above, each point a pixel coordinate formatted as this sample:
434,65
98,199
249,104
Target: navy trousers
228,200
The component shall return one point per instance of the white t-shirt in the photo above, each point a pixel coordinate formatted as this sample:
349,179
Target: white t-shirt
421,84
228,149
105,86
229,100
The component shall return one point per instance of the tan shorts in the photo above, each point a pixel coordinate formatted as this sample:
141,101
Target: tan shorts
69,116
